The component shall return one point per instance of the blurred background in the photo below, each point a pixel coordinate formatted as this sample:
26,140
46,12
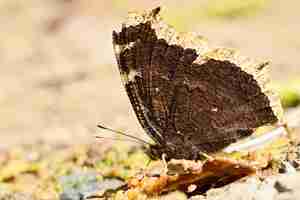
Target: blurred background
58,75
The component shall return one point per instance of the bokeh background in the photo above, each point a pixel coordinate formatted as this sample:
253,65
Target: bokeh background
58,76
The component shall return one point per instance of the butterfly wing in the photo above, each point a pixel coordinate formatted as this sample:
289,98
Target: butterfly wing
187,96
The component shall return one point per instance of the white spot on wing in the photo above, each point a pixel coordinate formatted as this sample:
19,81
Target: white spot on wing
132,74
130,45
117,49
214,109
120,48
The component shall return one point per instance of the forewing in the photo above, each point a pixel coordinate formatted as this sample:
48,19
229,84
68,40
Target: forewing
187,95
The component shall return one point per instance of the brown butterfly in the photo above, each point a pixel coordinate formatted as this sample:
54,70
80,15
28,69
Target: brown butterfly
189,98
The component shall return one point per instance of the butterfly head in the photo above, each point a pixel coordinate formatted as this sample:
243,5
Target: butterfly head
156,151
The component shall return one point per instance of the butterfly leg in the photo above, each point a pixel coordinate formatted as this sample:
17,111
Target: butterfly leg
163,158
204,156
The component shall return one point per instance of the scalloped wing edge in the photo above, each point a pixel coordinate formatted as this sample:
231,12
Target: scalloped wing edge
259,70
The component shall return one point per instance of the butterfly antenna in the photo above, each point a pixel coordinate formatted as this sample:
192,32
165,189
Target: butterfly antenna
117,139
135,139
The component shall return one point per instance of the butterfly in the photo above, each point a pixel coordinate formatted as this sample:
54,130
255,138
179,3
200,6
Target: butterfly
190,98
